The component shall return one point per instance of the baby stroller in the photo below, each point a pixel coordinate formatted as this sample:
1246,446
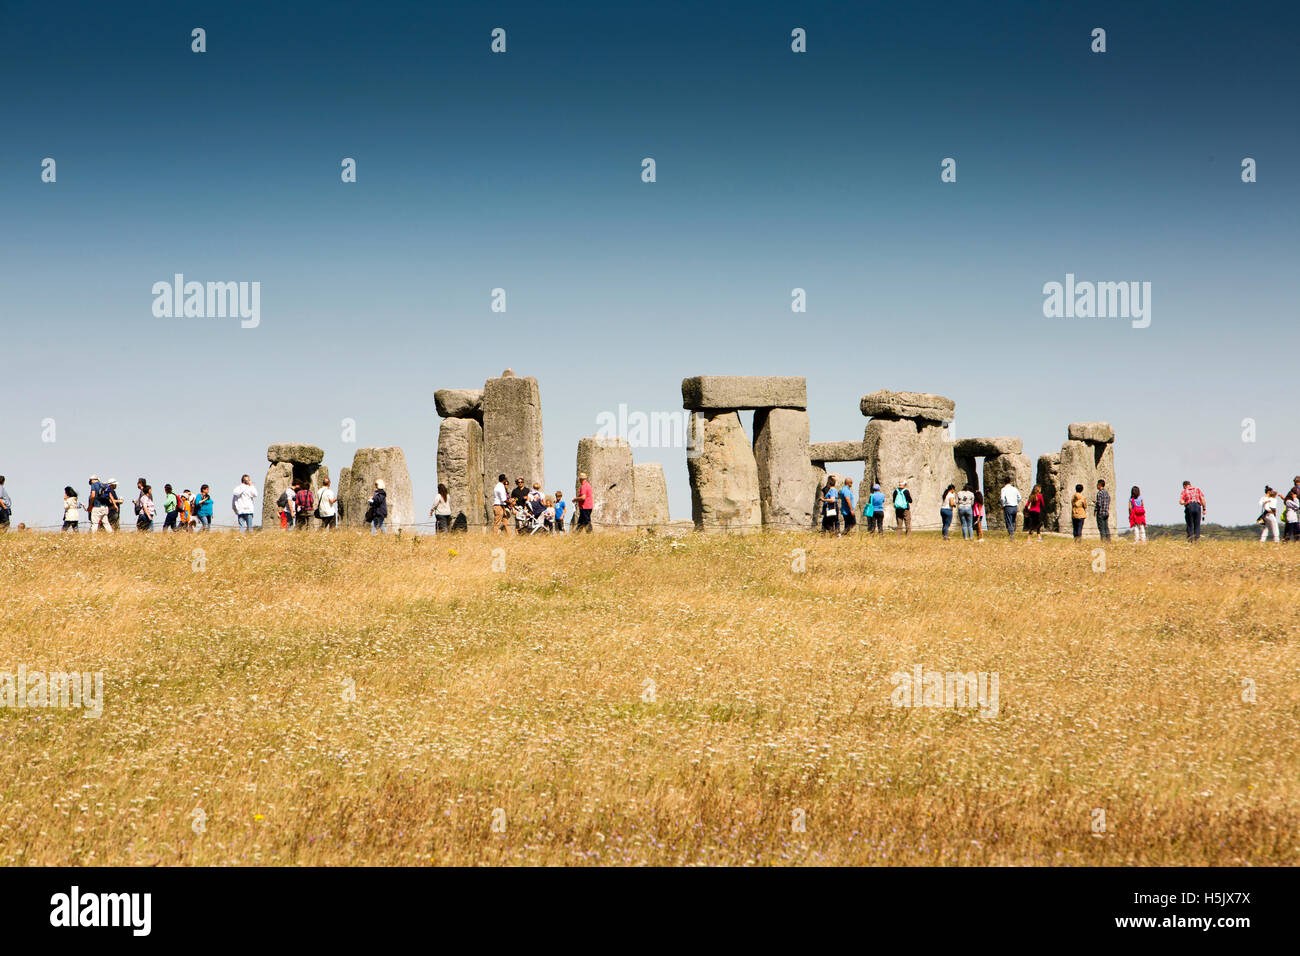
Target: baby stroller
528,517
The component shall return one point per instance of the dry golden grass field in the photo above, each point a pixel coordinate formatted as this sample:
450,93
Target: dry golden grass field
618,699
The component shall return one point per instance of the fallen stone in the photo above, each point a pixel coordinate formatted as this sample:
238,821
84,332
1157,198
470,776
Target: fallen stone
727,392
459,402
512,430
460,468
825,451
1100,432
786,478
649,495
295,453
987,447
920,405
723,473
607,463
369,464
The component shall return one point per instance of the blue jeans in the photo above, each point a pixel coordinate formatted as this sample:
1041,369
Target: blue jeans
1009,514
967,517
946,515
245,522
206,521
377,526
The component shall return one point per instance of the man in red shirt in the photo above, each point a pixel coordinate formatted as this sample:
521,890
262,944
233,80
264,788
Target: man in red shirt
586,501
1193,501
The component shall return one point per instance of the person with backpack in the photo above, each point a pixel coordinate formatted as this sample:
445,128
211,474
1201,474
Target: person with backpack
1101,509
242,503
114,506
966,512
902,508
1268,508
304,506
327,506
71,508
170,506
877,506
144,507
285,505
977,514
1137,516
97,505
848,519
830,507
1291,505
377,508
6,506
203,509
185,510
946,504
1010,505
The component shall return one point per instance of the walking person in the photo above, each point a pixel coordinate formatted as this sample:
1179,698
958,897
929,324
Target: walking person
586,502
327,506
966,512
185,509
830,507
1078,511
977,515
6,506
500,503
304,506
1193,501
114,506
560,506
1101,508
97,505
71,508
902,508
242,502
144,507
1034,507
203,509
877,510
848,519
169,508
1291,505
946,505
1137,516
377,508
1268,508
440,512
1010,505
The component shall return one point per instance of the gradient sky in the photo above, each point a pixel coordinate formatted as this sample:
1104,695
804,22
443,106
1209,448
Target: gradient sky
522,171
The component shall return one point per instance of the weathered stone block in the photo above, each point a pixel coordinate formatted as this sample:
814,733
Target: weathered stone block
512,430
368,464
459,402
460,468
988,447
825,451
786,479
278,477
607,462
921,405
723,473
997,469
295,452
649,495
1091,431
916,451
718,392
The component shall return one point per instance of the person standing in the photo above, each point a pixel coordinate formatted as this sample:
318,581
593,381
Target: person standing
830,507
500,504
440,512
203,508
1291,505
327,506
6,506
97,506
377,508
71,508
1078,511
185,511
560,506
1034,506
304,506
284,505
169,508
144,507
1193,501
902,508
1101,508
848,519
946,505
977,515
966,512
1010,505
586,502
877,522
114,506
1137,516
1268,508
242,502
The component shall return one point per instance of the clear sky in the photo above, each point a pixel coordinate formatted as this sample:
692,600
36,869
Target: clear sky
522,171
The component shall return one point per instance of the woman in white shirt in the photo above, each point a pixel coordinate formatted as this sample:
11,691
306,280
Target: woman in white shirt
1268,515
441,511
71,509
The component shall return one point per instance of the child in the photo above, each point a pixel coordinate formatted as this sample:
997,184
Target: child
560,505
1292,505
548,516
185,505
977,513
1137,516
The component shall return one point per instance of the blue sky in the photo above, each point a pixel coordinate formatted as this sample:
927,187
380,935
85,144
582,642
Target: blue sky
522,170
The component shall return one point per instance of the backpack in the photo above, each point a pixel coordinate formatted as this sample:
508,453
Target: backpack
900,498
283,501
304,501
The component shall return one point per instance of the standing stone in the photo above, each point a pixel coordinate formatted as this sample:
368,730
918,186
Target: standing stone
916,451
649,495
997,469
607,463
815,501
1076,465
512,430
1106,469
723,473
278,477
367,465
786,479
460,468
